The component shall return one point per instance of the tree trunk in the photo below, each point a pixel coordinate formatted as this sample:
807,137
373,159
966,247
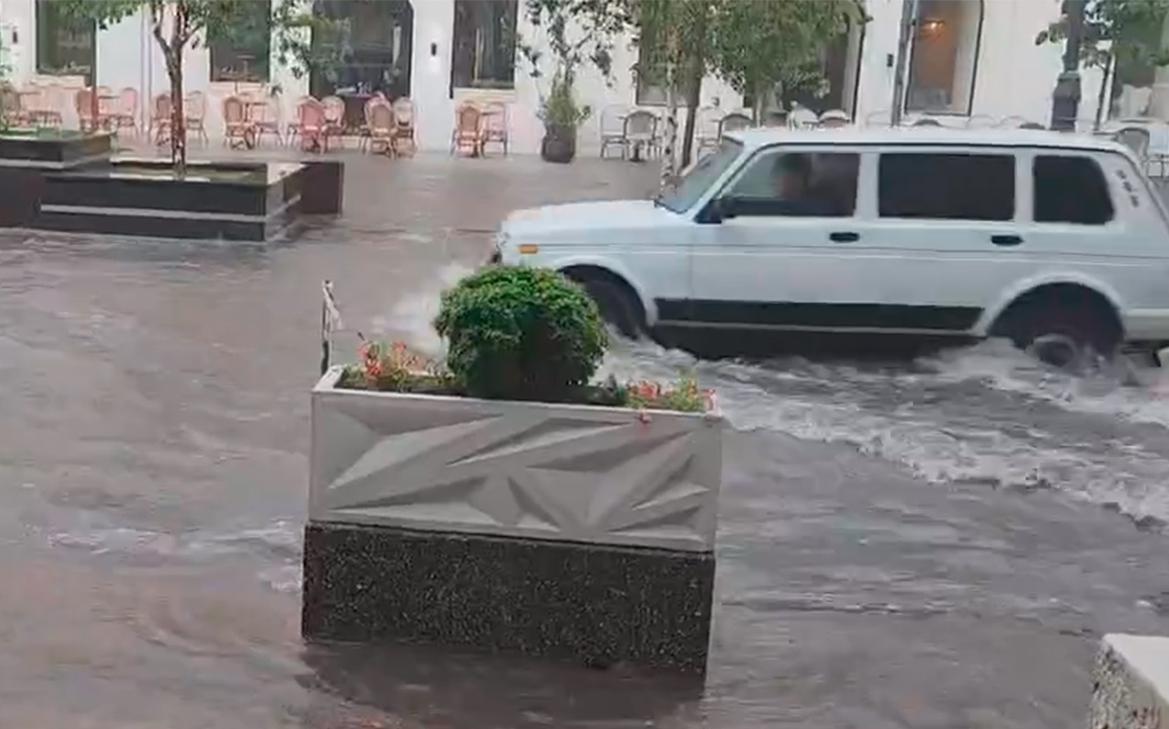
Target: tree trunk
1104,99
671,136
178,127
693,94
1159,99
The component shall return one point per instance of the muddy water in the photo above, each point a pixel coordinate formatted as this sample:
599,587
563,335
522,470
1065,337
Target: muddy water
924,544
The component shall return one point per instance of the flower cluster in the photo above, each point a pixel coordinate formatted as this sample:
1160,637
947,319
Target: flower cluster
685,396
386,367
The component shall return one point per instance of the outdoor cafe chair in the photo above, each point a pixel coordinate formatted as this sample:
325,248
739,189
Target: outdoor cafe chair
613,128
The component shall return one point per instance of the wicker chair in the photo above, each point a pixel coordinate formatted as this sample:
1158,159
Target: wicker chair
467,134
312,126
160,119
237,130
195,115
495,126
381,127
404,122
640,131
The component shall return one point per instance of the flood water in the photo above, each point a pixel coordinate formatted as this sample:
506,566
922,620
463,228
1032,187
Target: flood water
937,543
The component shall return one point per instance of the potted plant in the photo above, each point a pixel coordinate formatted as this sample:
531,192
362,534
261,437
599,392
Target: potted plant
561,116
503,499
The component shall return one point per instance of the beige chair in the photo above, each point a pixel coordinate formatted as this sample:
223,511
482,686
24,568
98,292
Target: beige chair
495,126
334,107
640,129
404,122
265,120
195,115
380,119
613,127
467,132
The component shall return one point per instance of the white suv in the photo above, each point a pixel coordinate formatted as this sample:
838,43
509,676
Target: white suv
1055,241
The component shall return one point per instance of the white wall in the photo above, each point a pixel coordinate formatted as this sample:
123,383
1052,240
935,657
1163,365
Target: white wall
1014,76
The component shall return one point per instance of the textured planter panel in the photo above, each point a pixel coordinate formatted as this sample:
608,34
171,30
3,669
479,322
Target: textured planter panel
592,604
536,470
1131,683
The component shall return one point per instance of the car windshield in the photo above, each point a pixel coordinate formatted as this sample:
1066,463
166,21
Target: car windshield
701,176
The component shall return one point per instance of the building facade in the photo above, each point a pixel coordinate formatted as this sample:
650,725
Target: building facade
966,59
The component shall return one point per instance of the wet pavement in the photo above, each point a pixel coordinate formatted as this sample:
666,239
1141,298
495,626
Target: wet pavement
927,544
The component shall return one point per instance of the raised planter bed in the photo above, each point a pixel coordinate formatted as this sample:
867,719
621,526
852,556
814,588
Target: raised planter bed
52,149
233,201
550,529
1130,683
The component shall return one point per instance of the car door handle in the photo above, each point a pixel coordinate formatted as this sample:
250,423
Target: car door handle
844,237
1006,240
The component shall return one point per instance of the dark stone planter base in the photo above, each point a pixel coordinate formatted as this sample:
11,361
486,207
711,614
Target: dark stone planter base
595,604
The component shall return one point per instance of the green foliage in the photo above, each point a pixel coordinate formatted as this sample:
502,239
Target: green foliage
756,45
521,333
296,27
577,31
1129,30
559,107
672,35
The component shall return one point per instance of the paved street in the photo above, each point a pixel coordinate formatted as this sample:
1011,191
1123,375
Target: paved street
924,544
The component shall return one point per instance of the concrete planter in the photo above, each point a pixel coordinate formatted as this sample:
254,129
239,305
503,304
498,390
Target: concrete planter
1130,688
558,530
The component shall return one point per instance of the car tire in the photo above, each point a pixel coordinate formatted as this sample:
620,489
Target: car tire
617,305
1062,333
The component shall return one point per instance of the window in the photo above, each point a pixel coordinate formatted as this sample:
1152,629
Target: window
483,49
947,186
1071,190
798,184
945,56
701,175
368,50
63,46
241,52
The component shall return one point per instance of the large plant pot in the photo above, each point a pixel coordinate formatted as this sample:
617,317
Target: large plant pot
548,529
559,143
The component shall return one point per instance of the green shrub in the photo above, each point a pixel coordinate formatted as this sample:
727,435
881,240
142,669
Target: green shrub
521,333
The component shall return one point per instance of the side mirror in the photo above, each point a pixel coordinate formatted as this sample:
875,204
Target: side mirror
724,208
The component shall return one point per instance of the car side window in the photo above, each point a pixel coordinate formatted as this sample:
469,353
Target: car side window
797,184
947,186
1071,189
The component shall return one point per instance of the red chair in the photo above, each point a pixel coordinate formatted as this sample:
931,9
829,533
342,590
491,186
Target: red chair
83,103
160,120
237,130
312,125
126,115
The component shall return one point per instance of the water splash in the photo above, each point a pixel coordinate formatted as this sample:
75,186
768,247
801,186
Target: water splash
987,414
410,319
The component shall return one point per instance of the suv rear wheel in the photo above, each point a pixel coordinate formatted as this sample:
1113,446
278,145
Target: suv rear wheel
1062,330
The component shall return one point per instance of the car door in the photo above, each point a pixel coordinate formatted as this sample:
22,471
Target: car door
772,250
947,232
